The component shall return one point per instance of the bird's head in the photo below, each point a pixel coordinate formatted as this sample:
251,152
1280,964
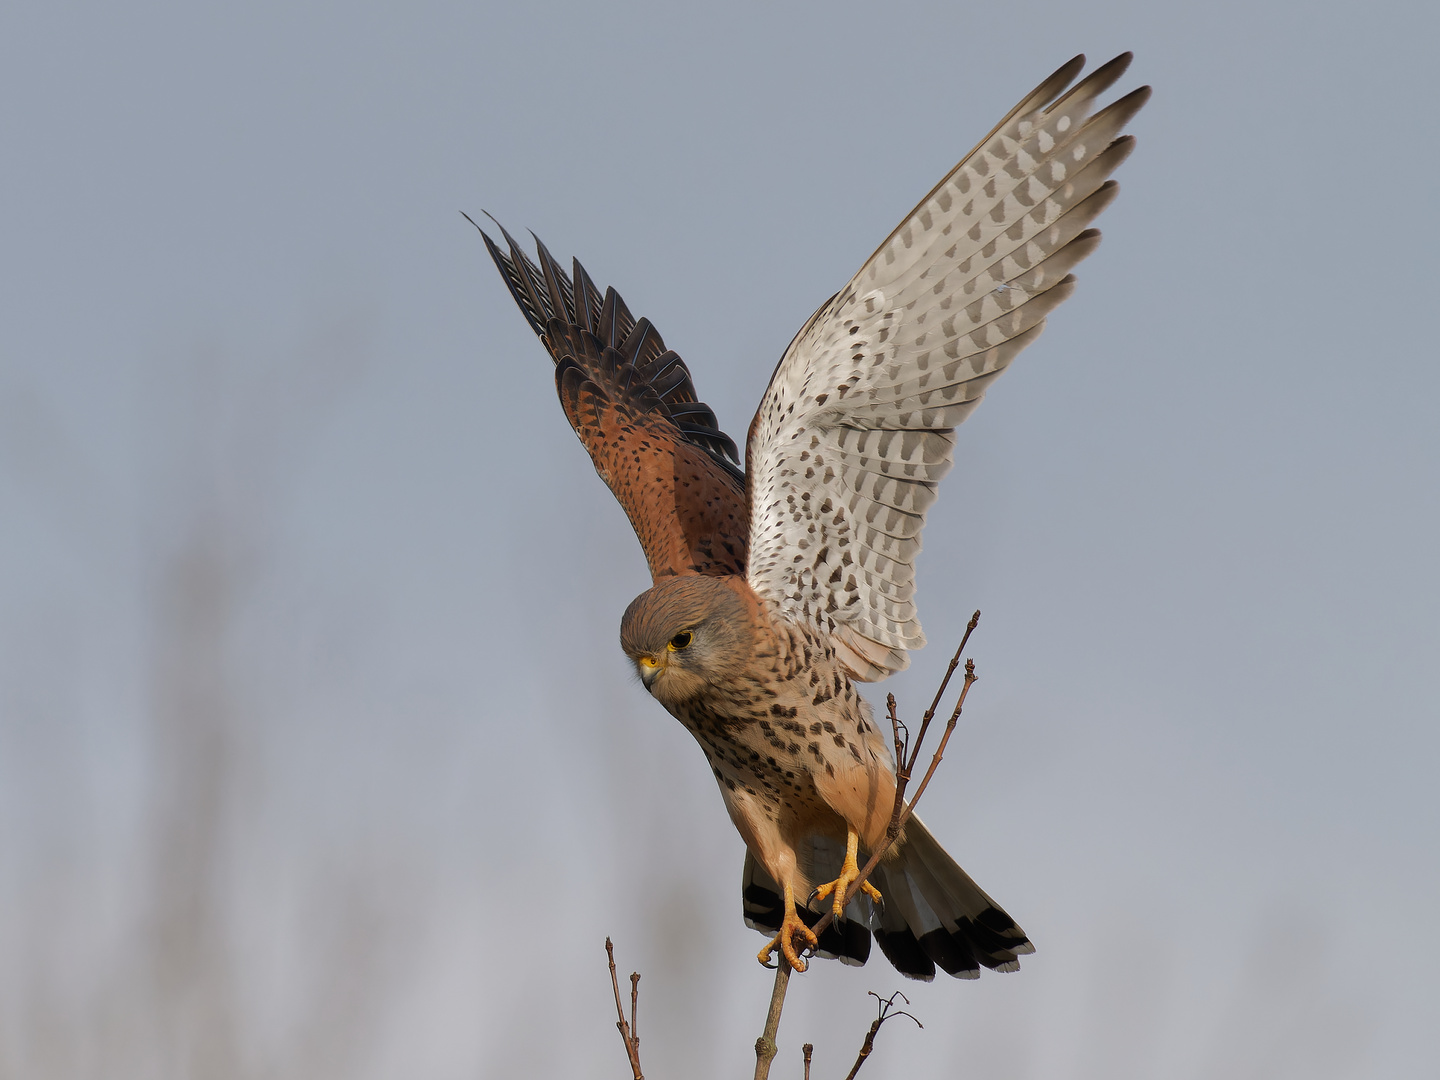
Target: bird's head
685,634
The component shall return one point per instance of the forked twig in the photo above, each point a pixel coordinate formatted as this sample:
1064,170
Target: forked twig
627,1030
886,1011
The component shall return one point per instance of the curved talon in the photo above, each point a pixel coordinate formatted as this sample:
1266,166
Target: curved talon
849,871
790,925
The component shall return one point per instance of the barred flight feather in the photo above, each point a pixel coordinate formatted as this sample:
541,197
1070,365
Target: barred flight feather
856,428
634,408
546,292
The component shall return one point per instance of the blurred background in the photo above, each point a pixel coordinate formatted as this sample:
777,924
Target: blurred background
318,756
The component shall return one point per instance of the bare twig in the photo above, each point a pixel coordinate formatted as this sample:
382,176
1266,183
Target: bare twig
896,727
935,702
627,1030
885,1012
808,1049
765,1047
970,678
634,1008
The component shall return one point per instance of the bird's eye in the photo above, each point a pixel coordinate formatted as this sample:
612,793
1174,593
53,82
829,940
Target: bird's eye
681,641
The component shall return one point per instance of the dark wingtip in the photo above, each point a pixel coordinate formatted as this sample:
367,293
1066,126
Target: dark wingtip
1097,82
1139,96
545,293
514,273
478,229
1068,70
1112,69
486,236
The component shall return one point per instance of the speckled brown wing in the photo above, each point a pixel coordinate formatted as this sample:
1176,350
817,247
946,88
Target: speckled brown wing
633,405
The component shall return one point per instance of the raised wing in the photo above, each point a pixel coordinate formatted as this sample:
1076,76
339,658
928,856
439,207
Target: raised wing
631,402
857,426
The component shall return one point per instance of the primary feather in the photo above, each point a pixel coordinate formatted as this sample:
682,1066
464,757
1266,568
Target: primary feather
857,426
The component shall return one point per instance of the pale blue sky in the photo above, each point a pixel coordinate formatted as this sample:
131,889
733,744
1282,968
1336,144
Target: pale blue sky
241,316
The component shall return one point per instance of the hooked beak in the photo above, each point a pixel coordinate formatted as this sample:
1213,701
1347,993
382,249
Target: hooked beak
649,669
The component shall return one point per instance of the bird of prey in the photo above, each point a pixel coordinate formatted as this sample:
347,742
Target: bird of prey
781,584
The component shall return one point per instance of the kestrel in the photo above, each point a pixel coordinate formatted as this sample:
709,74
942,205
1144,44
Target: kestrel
779,586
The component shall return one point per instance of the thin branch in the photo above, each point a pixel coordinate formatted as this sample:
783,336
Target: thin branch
634,1008
765,1047
896,727
886,1011
970,678
935,702
808,1049
627,1031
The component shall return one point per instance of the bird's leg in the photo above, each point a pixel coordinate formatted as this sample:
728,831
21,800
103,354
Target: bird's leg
789,925
849,871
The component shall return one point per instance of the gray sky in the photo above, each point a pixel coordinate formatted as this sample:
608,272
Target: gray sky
309,598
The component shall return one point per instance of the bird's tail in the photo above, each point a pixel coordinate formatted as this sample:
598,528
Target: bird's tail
932,915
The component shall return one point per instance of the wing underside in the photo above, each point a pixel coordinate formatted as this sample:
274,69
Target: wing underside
856,429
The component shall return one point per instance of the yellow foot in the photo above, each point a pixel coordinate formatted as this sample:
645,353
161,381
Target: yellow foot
849,871
791,925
